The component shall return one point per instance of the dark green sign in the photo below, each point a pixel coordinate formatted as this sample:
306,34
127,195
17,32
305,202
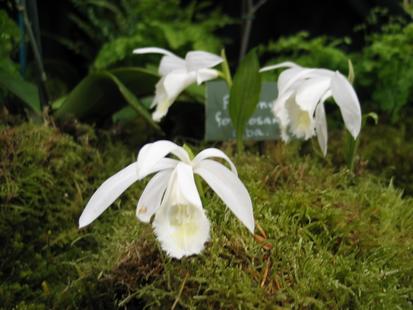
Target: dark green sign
261,126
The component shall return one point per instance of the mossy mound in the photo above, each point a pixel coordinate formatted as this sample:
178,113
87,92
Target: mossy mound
44,177
324,238
386,151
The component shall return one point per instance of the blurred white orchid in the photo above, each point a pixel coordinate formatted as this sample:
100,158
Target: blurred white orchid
178,73
171,195
299,106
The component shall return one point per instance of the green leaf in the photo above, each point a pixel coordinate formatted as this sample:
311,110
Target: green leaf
124,115
371,115
102,93
351,75
245,93
26,91
132,100
351,145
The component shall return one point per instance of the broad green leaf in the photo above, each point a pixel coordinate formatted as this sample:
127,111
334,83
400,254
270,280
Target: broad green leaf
245,93
102,93
26,91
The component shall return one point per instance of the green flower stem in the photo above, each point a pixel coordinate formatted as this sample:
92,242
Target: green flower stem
240,145
226,73
351,150
352,144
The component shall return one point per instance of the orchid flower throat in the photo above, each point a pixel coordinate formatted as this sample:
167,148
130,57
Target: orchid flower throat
301,121
184,221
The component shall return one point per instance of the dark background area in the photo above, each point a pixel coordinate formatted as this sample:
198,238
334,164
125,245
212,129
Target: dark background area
274,19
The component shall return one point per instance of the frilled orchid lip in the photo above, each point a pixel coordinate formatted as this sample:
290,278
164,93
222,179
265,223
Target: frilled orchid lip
299,106
180,224
178,73
171,195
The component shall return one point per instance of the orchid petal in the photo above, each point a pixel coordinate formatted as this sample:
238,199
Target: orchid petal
229,188
107,193
292,76
171,63
152,153
161,101
160,111
285,77
153,50
310,92
280,65
204,75
346,99
163,164
151,197
321,72
321,127
213,152
281,114
197,60
175,82
186,181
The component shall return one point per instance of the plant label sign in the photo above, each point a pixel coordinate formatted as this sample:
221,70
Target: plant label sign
261,126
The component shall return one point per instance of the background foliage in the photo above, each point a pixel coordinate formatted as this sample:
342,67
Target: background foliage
116,28
383,66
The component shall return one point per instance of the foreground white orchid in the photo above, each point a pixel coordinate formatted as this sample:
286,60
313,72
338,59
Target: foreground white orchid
299,107
178,73
171,195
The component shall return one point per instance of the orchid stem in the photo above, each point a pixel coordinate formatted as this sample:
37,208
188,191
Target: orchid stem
240,145
351,148
226,73
352,144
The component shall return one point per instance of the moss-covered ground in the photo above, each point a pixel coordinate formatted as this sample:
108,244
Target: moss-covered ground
325,239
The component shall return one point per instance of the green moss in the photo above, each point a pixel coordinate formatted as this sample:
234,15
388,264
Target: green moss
45,177
386,151
325,239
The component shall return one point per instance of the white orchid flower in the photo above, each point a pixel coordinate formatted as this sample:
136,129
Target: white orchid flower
171,195
299,106
177,74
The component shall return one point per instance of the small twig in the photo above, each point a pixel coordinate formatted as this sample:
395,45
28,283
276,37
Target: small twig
256,7
36,50
248,12
261,230
265,275
21,7
180,292
277,284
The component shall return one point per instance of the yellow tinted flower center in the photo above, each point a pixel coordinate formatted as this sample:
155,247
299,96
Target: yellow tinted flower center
184,219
